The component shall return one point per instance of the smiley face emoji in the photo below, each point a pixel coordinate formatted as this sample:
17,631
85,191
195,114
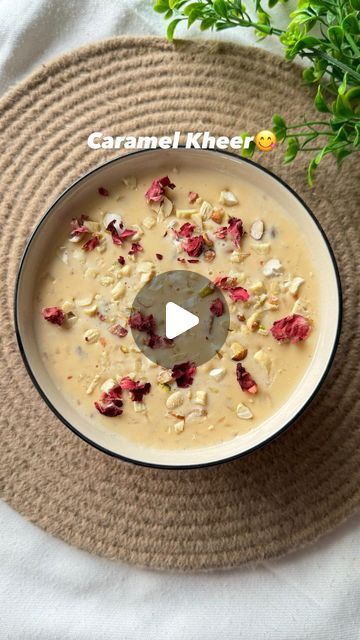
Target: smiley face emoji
265,140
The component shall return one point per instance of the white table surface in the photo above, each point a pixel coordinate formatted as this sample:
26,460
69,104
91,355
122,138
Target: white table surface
51,591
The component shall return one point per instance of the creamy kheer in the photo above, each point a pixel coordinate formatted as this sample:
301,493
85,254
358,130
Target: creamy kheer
123,236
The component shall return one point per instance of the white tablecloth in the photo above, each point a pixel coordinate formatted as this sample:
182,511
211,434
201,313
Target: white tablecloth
51,591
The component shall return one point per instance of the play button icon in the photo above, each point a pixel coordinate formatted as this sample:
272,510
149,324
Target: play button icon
179,316
178,320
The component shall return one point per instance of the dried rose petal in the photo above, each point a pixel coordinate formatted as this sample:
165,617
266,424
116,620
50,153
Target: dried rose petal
182,260
192,196
193,261
245,380
294,328
184,374
159,256
220,281
103,192
91,244
135,248
110,410
142,323
157,342
221,232
110,403
238,293
186,230
136,389
118,330
55,315
193,246
217,308
117,237
236,230
121,260
156,191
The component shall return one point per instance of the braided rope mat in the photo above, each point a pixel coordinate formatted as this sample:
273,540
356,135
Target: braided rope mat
279,498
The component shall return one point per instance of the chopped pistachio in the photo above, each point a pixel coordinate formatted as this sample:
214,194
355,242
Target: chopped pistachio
207,290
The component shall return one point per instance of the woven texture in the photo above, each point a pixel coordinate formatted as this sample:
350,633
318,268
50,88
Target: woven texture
279,498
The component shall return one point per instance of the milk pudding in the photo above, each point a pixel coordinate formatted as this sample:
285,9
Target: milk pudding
122,237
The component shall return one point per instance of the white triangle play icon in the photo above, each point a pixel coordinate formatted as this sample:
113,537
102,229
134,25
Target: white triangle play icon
178,320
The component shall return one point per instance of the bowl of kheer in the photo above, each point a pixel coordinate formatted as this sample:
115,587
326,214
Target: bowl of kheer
239,245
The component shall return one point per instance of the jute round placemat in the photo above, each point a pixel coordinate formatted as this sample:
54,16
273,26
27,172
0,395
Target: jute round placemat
262,506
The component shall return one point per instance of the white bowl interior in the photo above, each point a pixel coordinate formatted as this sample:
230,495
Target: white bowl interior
60,214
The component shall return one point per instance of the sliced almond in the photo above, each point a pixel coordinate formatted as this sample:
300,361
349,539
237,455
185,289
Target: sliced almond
263,359
239,351
257,229
243,412
228,198
217,374
206,210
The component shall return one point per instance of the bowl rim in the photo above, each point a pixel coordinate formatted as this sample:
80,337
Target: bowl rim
154,465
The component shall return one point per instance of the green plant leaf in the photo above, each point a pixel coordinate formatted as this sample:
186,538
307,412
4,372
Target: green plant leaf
311,170
279,127
342,107
336,36
320,103
220,7
248,153
342,87
292,149
351,23
171,28
161,6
